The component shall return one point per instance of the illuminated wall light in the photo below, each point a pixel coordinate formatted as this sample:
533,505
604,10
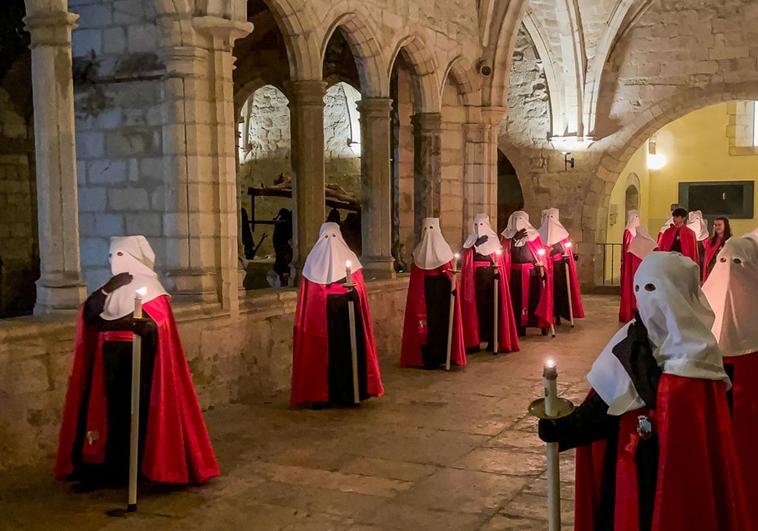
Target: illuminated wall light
655,161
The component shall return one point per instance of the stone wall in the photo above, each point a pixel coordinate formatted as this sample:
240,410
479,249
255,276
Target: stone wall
231,359
118,127
19,252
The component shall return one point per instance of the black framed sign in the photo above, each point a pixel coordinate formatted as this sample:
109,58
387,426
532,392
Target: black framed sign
732,199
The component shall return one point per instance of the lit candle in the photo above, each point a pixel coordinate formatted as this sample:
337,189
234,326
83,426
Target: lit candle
550,380
540,254
138,302
455,262
348,272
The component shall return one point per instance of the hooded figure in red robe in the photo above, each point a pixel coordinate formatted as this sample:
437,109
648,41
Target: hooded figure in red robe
94,437
562,254
641,245
699,225
732,291
322,367
481,251
531,274
680,238
627,276
427,308
655,450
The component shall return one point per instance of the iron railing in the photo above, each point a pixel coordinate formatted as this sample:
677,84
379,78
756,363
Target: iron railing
610,256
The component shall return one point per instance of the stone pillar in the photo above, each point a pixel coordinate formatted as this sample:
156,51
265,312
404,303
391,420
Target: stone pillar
190,223
376,187
222,34
60,286
307,135
427,167
480,165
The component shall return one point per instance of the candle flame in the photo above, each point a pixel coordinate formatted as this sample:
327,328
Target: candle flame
348,263
142,292
499,252
569,245
541,252
550,363
457,256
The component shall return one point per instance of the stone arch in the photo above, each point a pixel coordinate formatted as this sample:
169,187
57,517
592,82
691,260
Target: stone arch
366,51
424,67
554,81
619,148
461,71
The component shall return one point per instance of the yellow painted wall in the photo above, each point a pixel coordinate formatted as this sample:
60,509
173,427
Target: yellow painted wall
697,149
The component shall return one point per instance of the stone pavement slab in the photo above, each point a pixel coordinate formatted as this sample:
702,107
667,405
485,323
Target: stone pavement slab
440,451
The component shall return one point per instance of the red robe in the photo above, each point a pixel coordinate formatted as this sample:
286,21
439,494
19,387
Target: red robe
628,268
687,239
576,296
711,250
698,481
177,446
507,331
415,331
310,357
744,422
544,310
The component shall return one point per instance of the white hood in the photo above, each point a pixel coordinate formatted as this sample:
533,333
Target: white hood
520,220
433,251
642,244
698,225
482,228
732,291
633,221
133,255
325,263
678,320
552,231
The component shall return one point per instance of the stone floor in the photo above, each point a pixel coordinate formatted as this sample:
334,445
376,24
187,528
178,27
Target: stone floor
439,451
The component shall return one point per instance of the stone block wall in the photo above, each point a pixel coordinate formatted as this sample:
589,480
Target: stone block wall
19,251
231,359
119,120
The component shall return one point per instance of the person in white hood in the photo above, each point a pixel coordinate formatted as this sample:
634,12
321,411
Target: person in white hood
732,291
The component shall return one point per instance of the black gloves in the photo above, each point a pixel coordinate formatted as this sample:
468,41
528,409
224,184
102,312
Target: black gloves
120,280
352,295
588,423
143,326
481,240
520,235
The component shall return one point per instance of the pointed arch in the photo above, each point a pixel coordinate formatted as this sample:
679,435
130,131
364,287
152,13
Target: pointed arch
461,71
365,49
424,67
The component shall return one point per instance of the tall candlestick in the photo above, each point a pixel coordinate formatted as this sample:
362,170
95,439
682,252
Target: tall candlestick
568,246
353,336
496,304
348,272
134,428
451,312
550,381
456,257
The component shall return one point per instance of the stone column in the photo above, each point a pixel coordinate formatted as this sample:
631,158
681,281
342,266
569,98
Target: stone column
427,167
190,223
223,33
480,165
60,286
376,187
307,135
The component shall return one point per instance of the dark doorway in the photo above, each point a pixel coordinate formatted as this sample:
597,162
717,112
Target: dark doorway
509,196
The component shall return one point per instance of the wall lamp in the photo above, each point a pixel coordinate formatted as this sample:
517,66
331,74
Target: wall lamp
567,145
568,160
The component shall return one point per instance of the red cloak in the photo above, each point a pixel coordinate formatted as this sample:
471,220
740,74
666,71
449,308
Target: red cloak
576,297
310,357
744,425
711,249
415,331
177,446
544,310
507,331
687,240
698,481
628,301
